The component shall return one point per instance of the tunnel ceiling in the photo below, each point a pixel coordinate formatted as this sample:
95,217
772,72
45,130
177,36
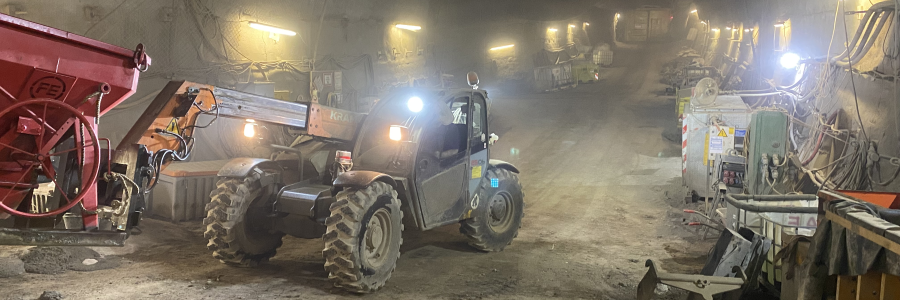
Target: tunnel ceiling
724,11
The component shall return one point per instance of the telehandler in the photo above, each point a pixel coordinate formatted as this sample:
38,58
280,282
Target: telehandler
420,156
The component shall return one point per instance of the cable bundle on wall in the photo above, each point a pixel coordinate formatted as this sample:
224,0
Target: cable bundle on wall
866,34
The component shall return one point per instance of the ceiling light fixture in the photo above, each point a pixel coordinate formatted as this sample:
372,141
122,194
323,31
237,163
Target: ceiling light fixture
272,29
408,27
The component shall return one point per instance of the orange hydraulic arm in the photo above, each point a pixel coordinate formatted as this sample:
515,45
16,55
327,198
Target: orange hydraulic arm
178,106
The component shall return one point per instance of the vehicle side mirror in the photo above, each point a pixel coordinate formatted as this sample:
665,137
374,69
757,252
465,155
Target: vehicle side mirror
493,139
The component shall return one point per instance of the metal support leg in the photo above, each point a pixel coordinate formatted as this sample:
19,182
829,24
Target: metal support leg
699,286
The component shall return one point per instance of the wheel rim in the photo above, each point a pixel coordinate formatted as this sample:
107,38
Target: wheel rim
256,212
40,161
501,211
377,242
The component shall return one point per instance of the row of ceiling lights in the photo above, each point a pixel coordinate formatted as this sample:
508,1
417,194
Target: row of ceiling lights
788,60
278,30
778,24
551,29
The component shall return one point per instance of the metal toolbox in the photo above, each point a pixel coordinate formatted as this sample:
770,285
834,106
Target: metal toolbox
183,190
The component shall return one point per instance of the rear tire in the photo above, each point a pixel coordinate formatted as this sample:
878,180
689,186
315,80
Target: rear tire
233,222
362,242
496,220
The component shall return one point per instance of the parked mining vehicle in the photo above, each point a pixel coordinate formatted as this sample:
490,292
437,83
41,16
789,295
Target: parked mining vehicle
420,153
421,158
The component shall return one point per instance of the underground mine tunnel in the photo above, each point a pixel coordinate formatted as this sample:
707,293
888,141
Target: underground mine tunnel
434,149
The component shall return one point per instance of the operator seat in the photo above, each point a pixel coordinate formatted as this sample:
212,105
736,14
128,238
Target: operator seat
454,140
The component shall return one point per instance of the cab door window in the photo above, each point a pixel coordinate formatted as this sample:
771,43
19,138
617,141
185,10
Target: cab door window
454,134
479,125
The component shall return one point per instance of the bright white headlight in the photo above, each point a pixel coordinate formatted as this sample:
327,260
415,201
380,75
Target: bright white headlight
415,104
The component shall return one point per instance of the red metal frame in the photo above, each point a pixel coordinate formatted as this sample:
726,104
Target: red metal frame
40,62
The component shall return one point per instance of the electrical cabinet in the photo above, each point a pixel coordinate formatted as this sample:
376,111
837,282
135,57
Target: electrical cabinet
767,145
709,132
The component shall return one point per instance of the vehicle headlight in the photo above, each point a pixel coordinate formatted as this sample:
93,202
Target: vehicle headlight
415,104
250,128
399,133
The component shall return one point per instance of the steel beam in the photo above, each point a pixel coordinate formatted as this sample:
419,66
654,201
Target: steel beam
61,238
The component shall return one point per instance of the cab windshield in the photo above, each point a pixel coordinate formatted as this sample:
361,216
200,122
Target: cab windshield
375,145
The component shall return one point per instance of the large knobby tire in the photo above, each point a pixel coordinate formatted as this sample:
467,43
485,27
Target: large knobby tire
363,238
498,214
234,222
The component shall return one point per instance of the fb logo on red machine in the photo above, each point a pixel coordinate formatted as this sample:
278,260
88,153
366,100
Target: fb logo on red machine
48,87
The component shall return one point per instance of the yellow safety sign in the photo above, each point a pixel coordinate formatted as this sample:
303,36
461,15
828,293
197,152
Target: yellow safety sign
173,126
722,133
476,172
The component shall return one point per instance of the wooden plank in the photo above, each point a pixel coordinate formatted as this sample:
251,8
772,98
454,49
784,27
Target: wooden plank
890,287
868,234
846,288
868,286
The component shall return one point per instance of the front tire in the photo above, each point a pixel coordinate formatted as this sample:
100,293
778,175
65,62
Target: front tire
498,215
363,238
234,222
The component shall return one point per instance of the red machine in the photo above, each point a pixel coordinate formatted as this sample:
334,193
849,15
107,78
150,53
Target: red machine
54,85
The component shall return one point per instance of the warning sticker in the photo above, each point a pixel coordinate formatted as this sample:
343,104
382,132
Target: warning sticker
476,172
722,133
173,126
716,144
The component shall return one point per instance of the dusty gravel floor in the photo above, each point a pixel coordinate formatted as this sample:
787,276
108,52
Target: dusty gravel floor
603,195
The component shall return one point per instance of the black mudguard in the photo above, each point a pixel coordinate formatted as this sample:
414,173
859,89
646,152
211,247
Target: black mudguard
362,179
240,167
496,163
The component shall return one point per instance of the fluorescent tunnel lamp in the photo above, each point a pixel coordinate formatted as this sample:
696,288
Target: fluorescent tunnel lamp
408,27
503,47
272,29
